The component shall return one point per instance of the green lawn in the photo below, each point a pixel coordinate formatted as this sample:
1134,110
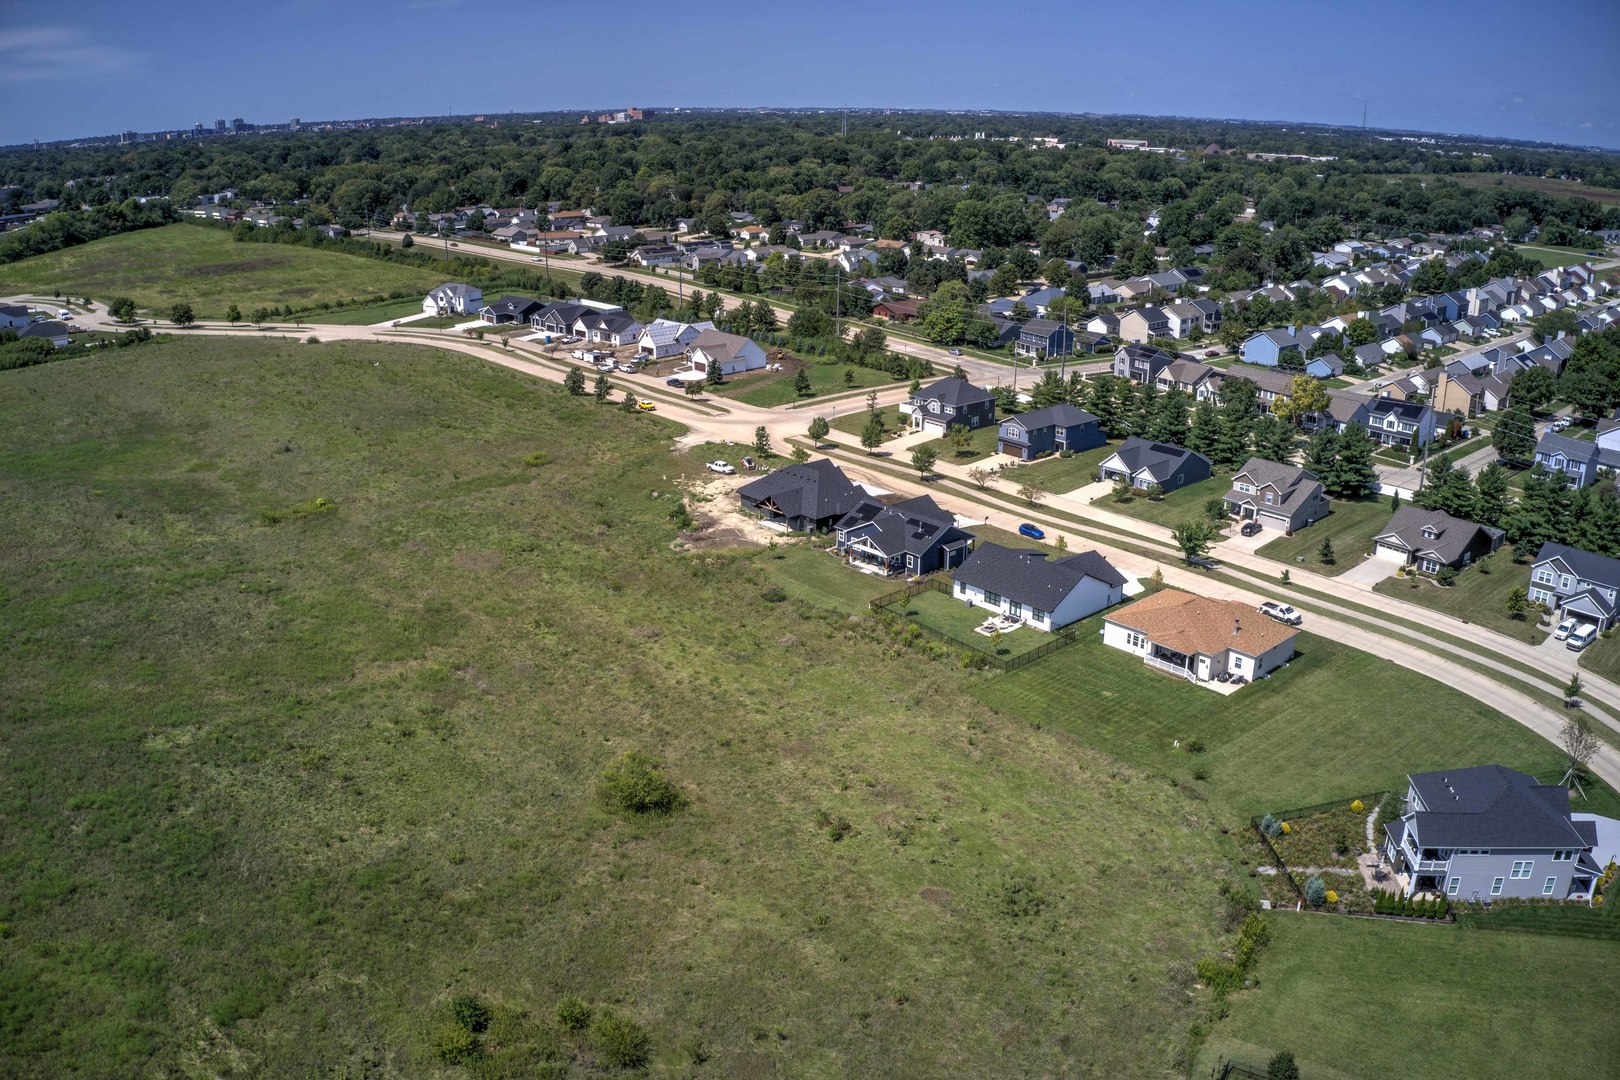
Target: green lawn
1555,256
980,445
771,389
1351,526
375,313
946,615
1175,508
284,775
1310,733
1059,474
851,418
203,266
1340,994
811,574
1479,596
1602,657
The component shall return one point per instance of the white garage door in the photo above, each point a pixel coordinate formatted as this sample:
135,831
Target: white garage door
1389,553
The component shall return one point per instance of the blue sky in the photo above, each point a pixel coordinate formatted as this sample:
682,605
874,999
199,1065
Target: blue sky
1489,67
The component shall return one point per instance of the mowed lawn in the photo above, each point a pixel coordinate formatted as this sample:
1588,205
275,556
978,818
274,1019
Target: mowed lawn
1310,733
1351,526
1515,1006
1557,256
314,655
366,314
770,389
203,266
1059,474
851,419
981,443
1176,508
1479,596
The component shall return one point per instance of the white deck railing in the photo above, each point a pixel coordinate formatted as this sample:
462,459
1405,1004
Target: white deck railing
1165,665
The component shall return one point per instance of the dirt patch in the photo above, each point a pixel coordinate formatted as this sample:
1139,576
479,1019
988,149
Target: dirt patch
717,518
935,895
477,560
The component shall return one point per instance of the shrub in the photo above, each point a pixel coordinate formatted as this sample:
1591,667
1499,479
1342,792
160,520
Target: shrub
1315,891
470,1013
1286,828
1194,746
1332,897
633,784
455,1045
1447,576
572,1013
1021,897
1282,1066
620,1043
312,340
1269,826
537,459
1358,807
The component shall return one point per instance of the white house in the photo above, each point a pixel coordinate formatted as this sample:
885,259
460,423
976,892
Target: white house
1198,638
1043,593
453,298
664,338
732,352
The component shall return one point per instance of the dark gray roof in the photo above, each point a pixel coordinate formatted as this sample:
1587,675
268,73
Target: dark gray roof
43,330
1159,459
913,526
1453,535
16,311
1294,485
954,392
513,305
1585,565
1492,806
1062,415
1029,577
1578,450
815,489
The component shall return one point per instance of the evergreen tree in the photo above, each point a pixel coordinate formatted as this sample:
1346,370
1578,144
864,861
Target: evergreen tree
1514,436
1170,419
1321,457
1491,499
1353,472
1100,403
1201,430
574,381
1447,488
1595,521
801,383
603,388
1274,439
1541,515
1051,390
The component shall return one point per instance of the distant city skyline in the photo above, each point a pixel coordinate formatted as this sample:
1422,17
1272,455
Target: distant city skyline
1263,60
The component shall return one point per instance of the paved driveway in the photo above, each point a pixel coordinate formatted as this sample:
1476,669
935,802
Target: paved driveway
1236,541
1370,572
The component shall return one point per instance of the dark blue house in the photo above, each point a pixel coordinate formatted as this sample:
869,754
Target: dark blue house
1054,428
1043,337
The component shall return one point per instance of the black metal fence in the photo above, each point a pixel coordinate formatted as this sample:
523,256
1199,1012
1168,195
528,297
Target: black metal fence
1227,1069
1060,638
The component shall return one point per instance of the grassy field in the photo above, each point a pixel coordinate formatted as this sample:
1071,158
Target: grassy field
1333,992
1479,596
1307,734
1550,185
367,314
771,389
314,655
1602,657
851,418
1555,256
205,267
939,612
1351,526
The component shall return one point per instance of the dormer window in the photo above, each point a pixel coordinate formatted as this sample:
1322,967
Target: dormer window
1429,532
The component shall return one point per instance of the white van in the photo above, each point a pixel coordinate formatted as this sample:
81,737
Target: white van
1582,637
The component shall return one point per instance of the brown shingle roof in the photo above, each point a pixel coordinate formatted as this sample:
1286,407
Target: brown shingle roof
1198,624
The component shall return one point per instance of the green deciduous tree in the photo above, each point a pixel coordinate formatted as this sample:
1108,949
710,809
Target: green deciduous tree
819,429
1194,538
923,459
122,309
181,314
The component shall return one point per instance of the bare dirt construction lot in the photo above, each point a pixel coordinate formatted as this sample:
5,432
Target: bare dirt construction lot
718,520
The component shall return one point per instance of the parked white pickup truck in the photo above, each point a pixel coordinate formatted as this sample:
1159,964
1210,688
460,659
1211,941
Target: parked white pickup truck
722,467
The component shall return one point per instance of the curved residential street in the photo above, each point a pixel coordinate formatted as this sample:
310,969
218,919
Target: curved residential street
1329,612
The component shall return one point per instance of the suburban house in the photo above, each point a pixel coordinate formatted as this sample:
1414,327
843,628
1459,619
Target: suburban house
896,310
1043,593
731,352
453,298
806,498
1198,638
1268,346
951,401
1576,582
1043,337
54,332
1144,324
1049,430
656,255
1608,432
664,338
1284,497
559,317
912,538
614,328
1326,366
1488,832
15,315
1581,462
1396,423
510,309
1145,463
1432,539
1141,363
1191,377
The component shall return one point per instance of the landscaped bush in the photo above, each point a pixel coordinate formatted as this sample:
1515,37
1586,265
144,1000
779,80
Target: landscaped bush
1358,807
1332,897
1315,891
1270,827
633,783
619,1042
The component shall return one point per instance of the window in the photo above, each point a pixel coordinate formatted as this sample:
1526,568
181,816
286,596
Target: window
992,597
1270,498
1521,868
1135,640
1015,609
1496,886
1474,851
1038,615
1429,566
961,588
1546,577
1563,582
1547,887
1563,856
1453,885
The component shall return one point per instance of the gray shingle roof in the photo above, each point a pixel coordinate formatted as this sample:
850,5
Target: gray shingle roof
1492,806
1294,484
1453,535
954,392
1587,566
911,527
1029,577
1061,415
815,489
1159,459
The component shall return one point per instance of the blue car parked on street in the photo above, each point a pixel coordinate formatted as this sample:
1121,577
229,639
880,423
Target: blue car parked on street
1026,529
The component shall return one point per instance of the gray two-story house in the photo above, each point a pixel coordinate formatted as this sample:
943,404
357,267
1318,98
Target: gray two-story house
1486,832
1581,462
1049,430
1141,364
1576,582
939,405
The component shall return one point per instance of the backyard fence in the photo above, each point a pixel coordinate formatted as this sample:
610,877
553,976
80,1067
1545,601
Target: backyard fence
1227,1069
1060,638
